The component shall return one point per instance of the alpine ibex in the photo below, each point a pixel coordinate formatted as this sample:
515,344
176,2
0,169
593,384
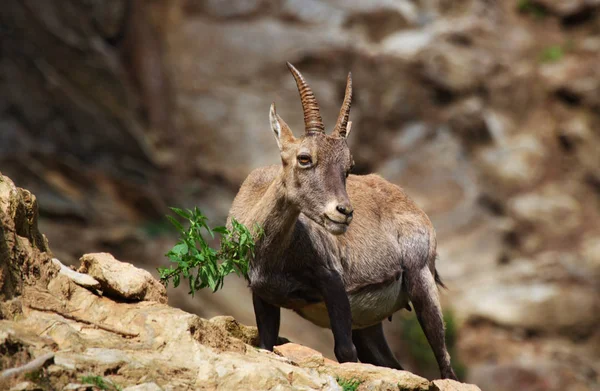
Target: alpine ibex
348,277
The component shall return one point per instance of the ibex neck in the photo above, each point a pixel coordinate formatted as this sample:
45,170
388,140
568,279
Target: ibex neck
277,216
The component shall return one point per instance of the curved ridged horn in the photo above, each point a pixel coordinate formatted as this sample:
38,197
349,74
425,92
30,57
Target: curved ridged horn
341,125
312,117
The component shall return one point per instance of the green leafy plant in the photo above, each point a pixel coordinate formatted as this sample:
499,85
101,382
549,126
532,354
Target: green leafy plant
202,265
38,377
349,384
531,8
101,383
34,376
552,53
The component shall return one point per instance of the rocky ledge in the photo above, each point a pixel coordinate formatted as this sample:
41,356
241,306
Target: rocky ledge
108,324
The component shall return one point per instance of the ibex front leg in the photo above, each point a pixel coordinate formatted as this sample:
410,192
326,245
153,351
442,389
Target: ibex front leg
340,316
267,320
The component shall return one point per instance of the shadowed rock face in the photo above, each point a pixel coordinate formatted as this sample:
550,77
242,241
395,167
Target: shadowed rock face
486,112
26,258
67,327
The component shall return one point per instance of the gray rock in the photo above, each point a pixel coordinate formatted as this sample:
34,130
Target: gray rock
76,387
514,162
568,7
452,385
151,386
551,207
122,279
25,386
232,8
81,279
548,307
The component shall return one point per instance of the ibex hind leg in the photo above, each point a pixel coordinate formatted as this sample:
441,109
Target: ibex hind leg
423,293
372,347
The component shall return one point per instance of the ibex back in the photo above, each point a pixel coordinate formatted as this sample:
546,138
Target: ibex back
343,251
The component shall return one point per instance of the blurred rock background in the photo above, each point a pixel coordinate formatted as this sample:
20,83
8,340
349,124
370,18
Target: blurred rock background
486,111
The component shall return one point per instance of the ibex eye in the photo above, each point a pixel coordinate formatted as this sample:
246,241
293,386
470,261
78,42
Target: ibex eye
304,160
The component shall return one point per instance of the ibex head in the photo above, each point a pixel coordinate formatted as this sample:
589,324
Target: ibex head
316,165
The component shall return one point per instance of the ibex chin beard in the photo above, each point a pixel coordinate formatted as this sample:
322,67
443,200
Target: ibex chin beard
336,227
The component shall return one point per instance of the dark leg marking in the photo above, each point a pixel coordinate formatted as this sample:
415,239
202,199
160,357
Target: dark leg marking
340,316
267,320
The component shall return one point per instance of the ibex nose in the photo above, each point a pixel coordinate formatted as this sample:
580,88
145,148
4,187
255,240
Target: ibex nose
345,209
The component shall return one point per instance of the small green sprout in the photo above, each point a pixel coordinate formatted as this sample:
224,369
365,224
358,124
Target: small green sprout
552,53
349,384
532,8
101,383
202,265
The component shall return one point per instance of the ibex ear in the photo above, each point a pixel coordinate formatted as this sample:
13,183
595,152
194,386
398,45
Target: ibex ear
283,133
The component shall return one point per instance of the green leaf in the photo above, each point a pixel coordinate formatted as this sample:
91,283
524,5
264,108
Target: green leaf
181,213
192,286
181,248
211,281
552,54
176,223
222,230
172,256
